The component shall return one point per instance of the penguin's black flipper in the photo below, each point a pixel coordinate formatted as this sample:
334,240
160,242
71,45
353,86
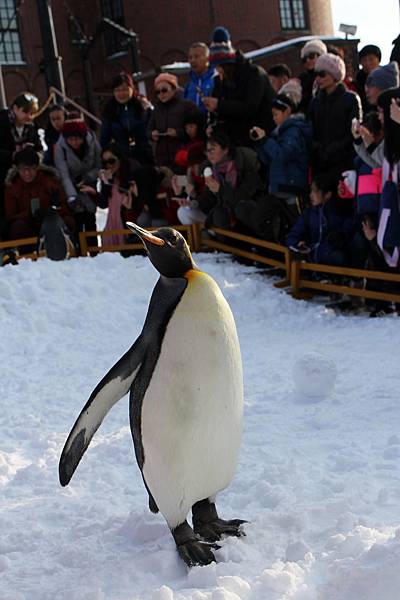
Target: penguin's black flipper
142,356
107,393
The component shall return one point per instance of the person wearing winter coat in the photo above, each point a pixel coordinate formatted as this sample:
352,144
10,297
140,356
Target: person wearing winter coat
242,94
369,58
166,125
201,75
124,121
17,130
78,160
30,190
331,113
286,151
309,54
321,233
232,180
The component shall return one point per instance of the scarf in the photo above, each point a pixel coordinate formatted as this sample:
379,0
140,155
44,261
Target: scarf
226,172
114,219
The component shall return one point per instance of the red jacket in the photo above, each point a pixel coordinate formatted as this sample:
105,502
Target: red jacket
46,187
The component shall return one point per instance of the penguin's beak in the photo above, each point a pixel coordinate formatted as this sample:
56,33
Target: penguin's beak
145,235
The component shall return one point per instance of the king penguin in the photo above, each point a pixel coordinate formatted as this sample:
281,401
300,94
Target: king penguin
184,376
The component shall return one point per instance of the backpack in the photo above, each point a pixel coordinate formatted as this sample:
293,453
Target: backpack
54,238
273,219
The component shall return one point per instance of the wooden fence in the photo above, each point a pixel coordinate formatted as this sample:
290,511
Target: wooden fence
298,276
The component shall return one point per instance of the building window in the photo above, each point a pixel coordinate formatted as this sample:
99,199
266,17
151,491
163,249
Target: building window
113,10
10,43
292,14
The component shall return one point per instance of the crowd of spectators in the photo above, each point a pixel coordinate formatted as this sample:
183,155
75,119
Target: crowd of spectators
309,160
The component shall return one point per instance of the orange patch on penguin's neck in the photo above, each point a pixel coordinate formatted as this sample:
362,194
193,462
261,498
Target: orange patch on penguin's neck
193,274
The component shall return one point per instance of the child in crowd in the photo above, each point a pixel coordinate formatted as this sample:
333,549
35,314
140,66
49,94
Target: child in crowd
286,151
193,125
52,131
187,189
321,233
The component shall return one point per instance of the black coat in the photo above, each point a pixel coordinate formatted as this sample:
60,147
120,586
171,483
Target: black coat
331,116
244,102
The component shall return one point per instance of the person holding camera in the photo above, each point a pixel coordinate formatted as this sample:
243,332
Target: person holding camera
78,160
242,92
124,120
31,189
286,151
166,125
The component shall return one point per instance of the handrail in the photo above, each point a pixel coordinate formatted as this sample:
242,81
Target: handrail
75,105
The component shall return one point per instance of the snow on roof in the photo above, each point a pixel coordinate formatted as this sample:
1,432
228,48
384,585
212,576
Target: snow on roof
182,67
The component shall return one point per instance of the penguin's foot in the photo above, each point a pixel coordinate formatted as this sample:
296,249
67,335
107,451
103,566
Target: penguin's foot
193,552
209,526
214,530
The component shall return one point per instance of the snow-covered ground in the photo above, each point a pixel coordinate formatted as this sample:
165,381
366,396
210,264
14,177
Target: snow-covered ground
318,478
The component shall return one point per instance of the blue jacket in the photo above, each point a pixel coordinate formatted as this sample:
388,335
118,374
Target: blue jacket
205,82
314,226
286,153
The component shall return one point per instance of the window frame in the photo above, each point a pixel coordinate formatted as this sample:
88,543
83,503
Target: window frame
11,49
289,12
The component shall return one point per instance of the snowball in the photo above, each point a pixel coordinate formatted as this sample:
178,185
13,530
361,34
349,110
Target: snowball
314,375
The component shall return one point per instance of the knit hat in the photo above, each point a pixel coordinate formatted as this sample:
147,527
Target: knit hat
74,128
166,78
313,46
384,77
221,49
332,64
370,49
292,89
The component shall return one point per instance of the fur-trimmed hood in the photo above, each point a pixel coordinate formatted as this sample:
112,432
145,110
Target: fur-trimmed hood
13,172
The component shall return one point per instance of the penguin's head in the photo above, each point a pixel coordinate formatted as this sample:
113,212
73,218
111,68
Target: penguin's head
167,250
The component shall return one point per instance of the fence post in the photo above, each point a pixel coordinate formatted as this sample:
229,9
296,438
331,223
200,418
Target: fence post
83,243
295,277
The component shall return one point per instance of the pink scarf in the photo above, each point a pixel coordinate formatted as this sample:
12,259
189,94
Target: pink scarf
114,221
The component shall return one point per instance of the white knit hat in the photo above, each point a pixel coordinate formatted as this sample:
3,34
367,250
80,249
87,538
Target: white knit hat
333,64
312,46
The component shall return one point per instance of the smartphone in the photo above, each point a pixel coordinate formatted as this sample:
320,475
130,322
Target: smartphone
35,205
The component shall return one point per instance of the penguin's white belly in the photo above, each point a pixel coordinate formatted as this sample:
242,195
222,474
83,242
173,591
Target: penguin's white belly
192,408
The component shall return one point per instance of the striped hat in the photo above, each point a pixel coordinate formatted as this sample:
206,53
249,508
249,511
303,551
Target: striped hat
221,49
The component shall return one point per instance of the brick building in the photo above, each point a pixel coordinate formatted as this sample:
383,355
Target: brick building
165,30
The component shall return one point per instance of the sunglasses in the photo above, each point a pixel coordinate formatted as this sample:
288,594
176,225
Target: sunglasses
320,73
310,56
162,91
109,161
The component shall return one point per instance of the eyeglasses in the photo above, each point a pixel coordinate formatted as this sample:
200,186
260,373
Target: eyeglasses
30,168
310,56
162,91
109,161
320,73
